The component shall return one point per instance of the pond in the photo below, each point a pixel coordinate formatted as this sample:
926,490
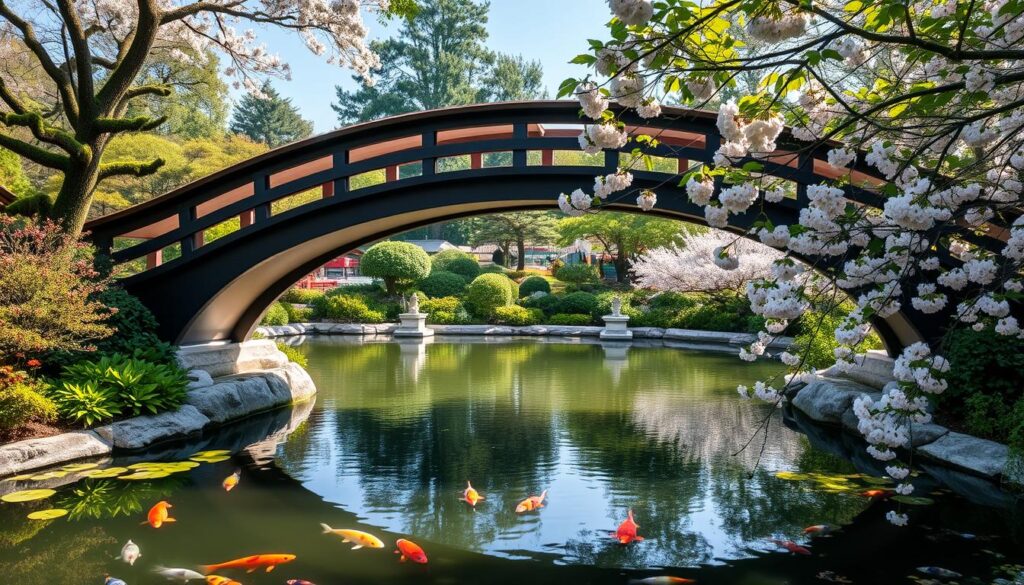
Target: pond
398,429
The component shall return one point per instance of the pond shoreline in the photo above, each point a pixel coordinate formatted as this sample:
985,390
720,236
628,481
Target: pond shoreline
229,382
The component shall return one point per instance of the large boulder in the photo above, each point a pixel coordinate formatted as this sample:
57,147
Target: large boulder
232,358
873,368
826,399
142,431
919,434
35,453
233,399
981,456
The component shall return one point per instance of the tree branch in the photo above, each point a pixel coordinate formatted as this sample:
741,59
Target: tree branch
83,55
138,124
133,168
35,154
134,58
48,134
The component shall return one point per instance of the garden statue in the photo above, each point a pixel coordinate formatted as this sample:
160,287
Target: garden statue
413,304
616,306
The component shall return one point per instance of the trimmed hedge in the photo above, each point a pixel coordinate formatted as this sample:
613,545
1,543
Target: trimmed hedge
487,292
516,315
348,309
534,284
455,262
569,319
443,284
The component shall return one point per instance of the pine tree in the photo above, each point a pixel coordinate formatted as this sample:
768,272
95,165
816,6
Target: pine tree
269,119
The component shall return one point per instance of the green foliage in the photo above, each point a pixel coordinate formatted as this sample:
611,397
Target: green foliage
269,118
22,401
534,284
92,391
487,292
398,264
623,235
578,274
516,315
513,289
443,284
276,315
548,303
456,262
12,174
445,311
348,309
574,319
298,314
578,303
294,355
199,106
302,296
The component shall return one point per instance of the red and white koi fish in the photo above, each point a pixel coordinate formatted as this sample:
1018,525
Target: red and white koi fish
251,563
158,515
627,530
532,503
410,551
876,493
792,547
820,529
471,496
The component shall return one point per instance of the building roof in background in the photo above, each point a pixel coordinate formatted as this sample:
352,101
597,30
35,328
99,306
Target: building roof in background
6,197
433,246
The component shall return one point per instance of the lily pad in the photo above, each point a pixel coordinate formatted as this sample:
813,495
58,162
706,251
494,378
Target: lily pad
913,500
18,477
213,459
877,480
80,466
27,495
139,475
48,514
105,473
212,453
49,475
792,476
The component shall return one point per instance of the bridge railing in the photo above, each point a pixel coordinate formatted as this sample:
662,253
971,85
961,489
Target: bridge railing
369,159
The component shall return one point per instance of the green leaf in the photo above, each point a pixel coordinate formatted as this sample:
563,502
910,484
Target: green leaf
584,59
913,500
753,167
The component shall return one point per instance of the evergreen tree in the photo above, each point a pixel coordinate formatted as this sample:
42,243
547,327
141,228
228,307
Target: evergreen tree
269,119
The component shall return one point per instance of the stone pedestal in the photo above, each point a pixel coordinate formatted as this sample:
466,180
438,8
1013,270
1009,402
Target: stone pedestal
615,327
413,325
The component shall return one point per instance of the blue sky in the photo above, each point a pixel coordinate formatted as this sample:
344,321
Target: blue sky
550,31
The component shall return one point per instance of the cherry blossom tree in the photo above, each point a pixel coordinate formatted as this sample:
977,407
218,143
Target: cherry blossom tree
711,261
92,54
924,95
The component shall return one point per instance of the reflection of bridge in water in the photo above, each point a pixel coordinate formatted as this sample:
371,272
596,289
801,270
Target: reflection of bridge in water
509,157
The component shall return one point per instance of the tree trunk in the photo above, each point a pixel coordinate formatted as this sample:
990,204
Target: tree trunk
621,267
71,207
521,248
390,286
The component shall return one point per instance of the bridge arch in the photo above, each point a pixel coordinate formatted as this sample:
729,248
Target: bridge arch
219,290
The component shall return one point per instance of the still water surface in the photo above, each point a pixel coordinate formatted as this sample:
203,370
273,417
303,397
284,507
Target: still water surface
398,429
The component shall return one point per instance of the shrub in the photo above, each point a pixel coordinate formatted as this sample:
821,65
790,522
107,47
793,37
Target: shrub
534,284
556,265
297,314
570,319
579,303
578,274
398,264
547,303
443,284
302,296
22,401
276,315
487,292
370,290
513,289
294,355
92,391
348,309
604,305
456,262
445,311
516,315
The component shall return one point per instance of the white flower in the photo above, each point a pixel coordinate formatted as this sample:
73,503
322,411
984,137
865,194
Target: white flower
702,89
592,100
700,192
897,472
904,489
649,108
777,238
628,89
611,183
775,195
596,137
581,200
774,30
978,79
647,200
853,51
565,204
716,216
789,359
738,198
841,157
632,12
896,519
724,260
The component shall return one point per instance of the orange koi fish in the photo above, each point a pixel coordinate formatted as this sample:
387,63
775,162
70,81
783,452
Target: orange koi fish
231,481
876,493
218,580
627,530
251,563
158,515
298,582
819,529
532,503
471,496
792,547
410,551
661,580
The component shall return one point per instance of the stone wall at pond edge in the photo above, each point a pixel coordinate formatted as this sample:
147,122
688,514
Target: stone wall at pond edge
829,400
229,381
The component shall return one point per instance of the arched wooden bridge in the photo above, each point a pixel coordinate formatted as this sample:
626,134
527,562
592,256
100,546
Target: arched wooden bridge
218,290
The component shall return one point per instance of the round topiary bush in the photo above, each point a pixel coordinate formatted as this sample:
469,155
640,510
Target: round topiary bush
578,303
398,264
443,284
517,316
578,274
487,292
275,315
456,262
532,285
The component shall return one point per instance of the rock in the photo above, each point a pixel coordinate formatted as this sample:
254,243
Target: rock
290,384
873,369
232,358
574,330
920,434
1013,474
234,398
143,431
648,332
694,335
533,330
986,458
35,453
826,399
199,379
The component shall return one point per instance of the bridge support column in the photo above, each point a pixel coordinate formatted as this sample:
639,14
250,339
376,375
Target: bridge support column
547,158
247,218
391,174
476,160
327,190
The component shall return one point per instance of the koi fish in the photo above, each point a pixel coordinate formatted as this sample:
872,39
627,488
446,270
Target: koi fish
298,582
251,563
939,572
158,515
661,580
108,580
410,551
183,575
792,547
627,530
876,493
218,580
130,553
356,537
231,481
471,496
819,529
532,503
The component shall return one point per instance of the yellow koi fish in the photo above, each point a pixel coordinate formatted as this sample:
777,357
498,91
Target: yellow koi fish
356,537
